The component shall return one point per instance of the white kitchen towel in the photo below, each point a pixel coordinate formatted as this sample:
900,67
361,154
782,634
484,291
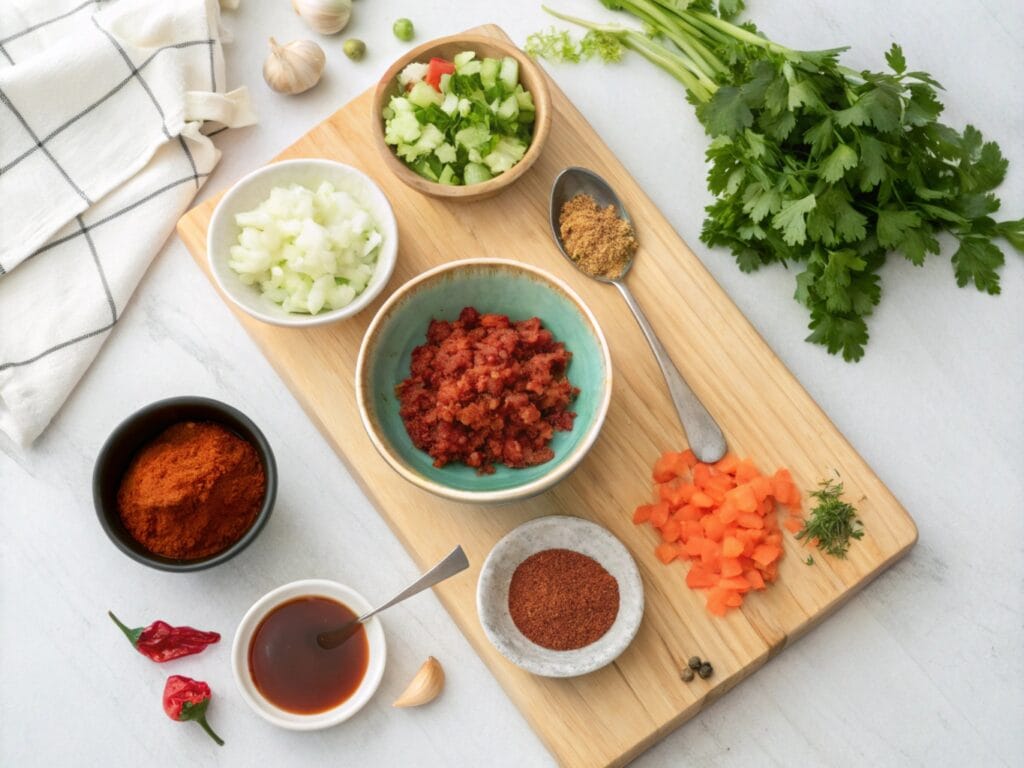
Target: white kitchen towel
101,105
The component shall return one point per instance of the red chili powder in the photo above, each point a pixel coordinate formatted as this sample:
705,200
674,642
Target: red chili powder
484,390
192,492
562,599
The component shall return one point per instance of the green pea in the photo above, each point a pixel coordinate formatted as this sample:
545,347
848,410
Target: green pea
403,30
354,49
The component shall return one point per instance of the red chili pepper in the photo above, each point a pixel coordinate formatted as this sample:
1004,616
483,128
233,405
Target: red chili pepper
162,642
187,699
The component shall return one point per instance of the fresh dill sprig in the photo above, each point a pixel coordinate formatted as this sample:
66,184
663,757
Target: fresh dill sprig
833,522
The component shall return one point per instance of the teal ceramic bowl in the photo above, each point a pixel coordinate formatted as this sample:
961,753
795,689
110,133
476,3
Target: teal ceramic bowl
490,285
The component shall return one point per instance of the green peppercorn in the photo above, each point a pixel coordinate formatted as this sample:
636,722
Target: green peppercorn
686,675
403,30
705,671
694,663
354,49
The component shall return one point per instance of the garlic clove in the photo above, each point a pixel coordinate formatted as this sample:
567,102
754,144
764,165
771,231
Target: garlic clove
293,67
328,17
425,685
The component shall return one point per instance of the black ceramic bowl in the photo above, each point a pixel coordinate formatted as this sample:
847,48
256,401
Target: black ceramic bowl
141,427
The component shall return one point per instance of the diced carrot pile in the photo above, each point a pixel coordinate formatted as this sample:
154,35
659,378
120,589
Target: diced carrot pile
721,517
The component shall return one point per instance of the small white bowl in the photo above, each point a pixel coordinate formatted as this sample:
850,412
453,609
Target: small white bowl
249,191
256,614
558,532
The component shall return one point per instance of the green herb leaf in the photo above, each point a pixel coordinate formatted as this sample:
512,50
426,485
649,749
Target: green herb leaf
835,166
893,226
833,522
977,260
728,9
791,219
916,244
1013,231
553,45
602,45
873,168
839,333
880,107
821,137
759,202
894,58
558,46
836,279
802,93
727,114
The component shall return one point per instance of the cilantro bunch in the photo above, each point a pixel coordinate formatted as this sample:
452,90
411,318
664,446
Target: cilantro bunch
820,165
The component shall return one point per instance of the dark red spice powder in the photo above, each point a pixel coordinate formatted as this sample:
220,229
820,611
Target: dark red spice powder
486,390
563,600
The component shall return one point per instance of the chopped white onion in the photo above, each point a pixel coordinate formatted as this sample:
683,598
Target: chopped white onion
307,251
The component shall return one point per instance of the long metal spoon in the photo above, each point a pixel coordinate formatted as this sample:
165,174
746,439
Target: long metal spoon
706,439
452,564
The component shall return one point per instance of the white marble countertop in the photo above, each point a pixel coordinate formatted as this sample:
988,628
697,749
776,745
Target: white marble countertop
925,667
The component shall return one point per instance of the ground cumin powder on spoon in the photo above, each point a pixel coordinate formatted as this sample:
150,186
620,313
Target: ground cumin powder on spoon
600,242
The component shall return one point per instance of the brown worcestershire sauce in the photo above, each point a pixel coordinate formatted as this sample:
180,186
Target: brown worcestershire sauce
296,674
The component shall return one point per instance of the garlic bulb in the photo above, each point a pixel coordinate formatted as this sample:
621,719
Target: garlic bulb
327,17
294,67
425,685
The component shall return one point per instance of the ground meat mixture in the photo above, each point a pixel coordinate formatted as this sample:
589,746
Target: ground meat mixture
484,390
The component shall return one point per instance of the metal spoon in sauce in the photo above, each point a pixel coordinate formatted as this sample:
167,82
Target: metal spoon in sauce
705,437
454,563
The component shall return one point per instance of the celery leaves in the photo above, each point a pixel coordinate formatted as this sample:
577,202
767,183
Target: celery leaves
812,162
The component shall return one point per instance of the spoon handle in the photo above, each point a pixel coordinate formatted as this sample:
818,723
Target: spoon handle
454,563
705,437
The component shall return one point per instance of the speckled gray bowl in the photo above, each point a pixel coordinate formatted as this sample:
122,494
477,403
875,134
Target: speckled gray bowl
558,532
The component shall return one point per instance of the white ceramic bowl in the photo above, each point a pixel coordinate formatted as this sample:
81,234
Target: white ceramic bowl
256,614
252,190
558,532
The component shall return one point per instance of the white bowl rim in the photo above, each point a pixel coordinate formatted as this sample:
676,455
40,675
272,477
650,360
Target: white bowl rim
259,610
582,661
506,494
386,259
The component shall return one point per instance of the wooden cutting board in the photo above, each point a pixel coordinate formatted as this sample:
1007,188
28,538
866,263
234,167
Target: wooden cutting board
610,716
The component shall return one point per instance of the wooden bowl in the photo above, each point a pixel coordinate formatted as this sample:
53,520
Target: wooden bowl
532,79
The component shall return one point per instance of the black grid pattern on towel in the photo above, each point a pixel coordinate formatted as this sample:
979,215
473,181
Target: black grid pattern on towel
71,121
14,110
136,75
149,92
135,72
39,144
99,268
83,231
41,24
